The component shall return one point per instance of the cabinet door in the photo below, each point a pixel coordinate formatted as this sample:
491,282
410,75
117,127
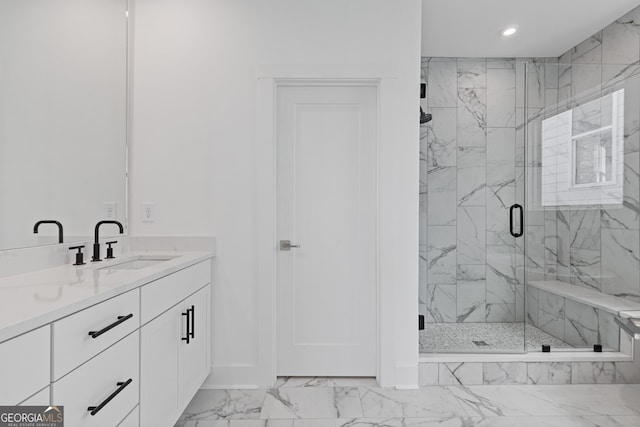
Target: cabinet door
194,357
159,369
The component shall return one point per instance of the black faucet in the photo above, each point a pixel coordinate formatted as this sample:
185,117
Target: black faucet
60,232
96,244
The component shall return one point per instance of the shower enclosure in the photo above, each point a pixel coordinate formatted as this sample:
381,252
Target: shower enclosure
529,189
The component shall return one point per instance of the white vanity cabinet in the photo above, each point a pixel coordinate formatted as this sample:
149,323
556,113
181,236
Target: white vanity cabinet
133,360
25,366
174,348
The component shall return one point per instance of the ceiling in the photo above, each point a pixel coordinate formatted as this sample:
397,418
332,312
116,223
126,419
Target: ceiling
547,28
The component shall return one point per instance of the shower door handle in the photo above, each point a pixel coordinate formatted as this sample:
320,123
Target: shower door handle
511,225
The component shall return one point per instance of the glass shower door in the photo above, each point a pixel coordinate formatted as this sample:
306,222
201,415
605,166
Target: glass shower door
582,192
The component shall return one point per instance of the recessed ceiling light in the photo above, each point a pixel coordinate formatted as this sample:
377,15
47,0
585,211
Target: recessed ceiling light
509,31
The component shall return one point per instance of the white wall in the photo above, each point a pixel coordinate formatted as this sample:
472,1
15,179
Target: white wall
193,147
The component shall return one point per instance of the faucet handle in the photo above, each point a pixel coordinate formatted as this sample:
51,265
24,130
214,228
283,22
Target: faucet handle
110,249
79,254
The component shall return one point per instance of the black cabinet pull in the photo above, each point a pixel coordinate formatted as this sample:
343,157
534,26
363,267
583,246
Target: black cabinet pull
188,327
193,321
511,229
121,319
121,386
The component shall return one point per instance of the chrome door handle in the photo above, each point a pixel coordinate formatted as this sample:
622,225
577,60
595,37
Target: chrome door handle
285,245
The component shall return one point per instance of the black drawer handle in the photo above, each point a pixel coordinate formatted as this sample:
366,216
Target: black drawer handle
188,326
121,386
121,319
193,321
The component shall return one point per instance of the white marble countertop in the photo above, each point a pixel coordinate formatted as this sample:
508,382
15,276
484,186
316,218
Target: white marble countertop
31,300
609,303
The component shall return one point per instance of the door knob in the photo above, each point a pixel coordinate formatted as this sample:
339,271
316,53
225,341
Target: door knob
285,245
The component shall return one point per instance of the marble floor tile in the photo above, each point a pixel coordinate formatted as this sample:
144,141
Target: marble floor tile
312,402
461,421
428,402
209,405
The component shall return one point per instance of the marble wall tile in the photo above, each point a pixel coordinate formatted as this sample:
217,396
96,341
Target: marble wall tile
621,41
565,89
621,263
589,51
521,66
442,83
580,324
585,229
442,197
498,312
501,156
499,200
535,253
441,255
501,91
504,373
632,112
586,268
441,137
501,275
549,373
441,304
520,137
472,117
626,216
472,74
563,231
535,85
532,302
501,63
472,172
586,83
471,235
551,244
460,373
593,373
551,74
471,305
520,306
550,324
428,374
608,331
550,303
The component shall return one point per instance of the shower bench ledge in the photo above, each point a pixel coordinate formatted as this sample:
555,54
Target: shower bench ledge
609,303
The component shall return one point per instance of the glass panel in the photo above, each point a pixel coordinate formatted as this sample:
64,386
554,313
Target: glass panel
471,174
582,192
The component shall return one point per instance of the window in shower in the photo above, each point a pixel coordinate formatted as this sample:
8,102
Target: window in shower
582,154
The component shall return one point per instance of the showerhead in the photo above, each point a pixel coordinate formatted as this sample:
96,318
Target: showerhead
424,117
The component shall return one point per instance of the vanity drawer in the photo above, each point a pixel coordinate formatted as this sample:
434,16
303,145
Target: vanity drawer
162,294
72,344
24,365
94,382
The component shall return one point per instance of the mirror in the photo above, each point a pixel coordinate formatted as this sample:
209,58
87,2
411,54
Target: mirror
63,117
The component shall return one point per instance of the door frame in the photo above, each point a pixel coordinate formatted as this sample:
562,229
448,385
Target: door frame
269,79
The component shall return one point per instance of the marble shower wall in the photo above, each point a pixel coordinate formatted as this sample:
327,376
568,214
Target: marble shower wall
472,170
599,247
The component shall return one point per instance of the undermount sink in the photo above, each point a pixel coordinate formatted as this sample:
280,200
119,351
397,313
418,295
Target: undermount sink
137,263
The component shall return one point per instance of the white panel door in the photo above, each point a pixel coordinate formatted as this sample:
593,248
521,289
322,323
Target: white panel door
326,204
